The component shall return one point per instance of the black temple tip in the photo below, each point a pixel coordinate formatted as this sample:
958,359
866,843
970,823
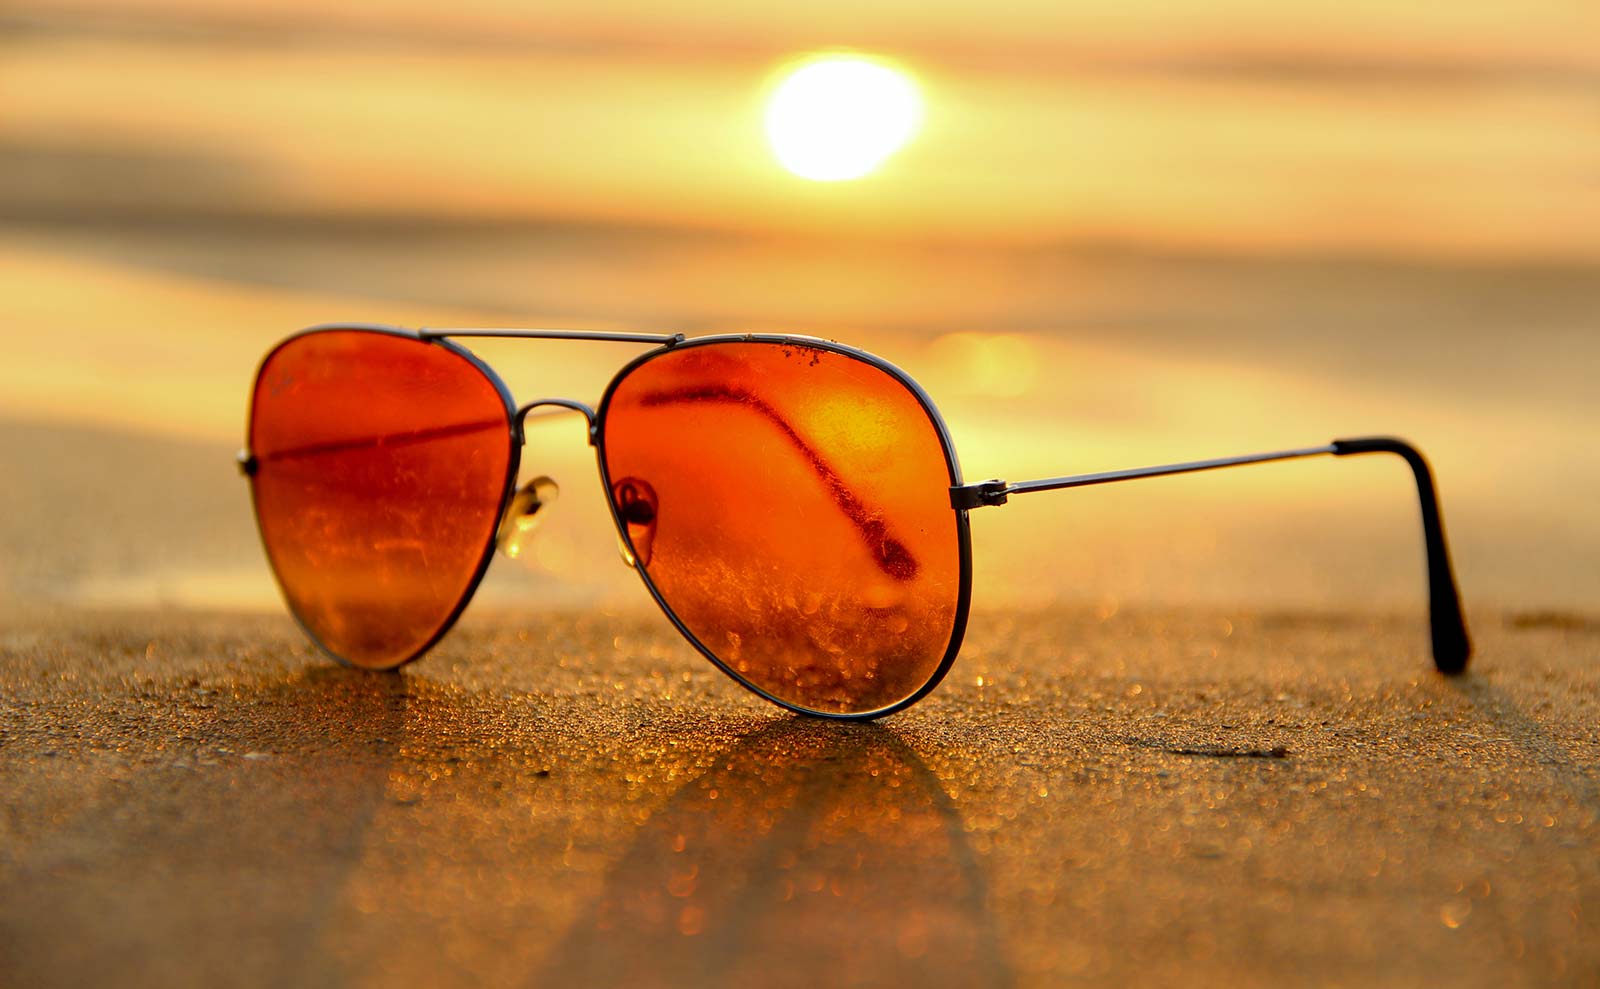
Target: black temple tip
1452,646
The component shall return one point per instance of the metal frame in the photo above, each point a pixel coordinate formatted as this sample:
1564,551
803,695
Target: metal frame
667,339
987,493
1451,644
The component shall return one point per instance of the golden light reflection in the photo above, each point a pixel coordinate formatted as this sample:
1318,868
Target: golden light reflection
997,365
838,117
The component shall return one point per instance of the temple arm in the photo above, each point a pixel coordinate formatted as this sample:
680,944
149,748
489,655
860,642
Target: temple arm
1451,646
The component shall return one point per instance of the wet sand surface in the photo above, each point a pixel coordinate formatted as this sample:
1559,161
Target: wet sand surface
1140,799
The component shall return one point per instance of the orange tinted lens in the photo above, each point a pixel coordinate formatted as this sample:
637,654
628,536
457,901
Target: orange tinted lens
791,506
381,464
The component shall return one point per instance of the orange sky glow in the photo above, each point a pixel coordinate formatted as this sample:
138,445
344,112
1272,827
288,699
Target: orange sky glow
1121,233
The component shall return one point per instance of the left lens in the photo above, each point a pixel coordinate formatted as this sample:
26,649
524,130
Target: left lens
382,462
790,506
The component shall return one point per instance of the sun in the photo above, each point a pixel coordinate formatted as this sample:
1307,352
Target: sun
838,117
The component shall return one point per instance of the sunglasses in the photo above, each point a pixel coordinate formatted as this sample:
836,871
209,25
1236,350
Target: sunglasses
794,505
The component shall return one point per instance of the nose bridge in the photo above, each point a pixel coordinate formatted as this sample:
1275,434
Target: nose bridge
556,403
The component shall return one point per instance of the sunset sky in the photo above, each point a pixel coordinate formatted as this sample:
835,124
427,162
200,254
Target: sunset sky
1465,130
1121,233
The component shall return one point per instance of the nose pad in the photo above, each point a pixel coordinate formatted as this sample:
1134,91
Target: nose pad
524,515
636,507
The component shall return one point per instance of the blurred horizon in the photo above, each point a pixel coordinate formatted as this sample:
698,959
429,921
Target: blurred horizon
1336,128
1126,234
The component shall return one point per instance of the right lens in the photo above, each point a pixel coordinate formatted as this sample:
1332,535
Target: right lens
382,462
790,505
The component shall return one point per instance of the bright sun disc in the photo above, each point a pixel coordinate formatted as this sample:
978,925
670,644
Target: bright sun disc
840,116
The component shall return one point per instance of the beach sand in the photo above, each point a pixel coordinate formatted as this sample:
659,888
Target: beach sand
1140,799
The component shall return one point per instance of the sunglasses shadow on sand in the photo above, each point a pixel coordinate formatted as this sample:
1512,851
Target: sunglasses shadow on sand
293,836
806,856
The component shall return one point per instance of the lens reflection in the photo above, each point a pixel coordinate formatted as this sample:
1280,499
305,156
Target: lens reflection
798,521
382,462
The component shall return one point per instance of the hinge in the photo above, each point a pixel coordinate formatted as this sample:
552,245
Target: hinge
978,495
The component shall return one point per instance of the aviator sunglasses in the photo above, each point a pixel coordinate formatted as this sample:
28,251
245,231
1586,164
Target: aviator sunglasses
794,505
